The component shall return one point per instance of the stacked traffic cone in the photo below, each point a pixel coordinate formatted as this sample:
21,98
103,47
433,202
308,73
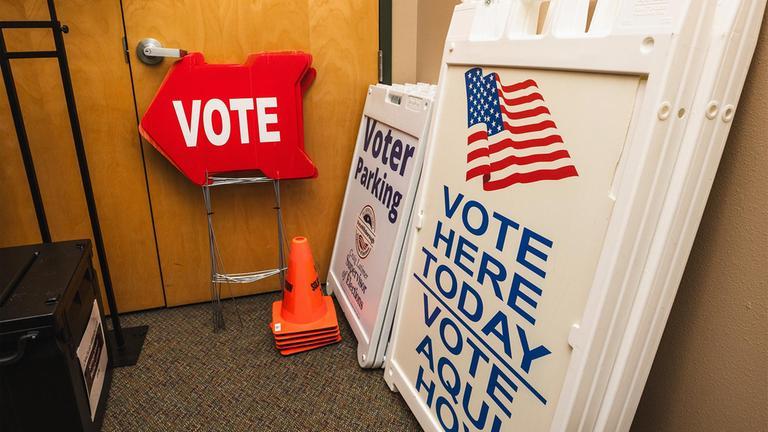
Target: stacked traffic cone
305,319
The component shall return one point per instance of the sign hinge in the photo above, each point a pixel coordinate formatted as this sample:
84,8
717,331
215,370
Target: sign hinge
574,336
381,66
125,49
419,220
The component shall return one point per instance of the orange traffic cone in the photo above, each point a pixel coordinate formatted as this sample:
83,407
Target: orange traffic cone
305,319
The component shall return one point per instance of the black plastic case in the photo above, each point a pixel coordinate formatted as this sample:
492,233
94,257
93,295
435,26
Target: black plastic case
47,293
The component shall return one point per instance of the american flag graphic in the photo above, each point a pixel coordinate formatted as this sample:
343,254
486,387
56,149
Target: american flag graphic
511,137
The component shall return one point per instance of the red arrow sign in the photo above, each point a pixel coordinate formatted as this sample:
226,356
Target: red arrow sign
209,118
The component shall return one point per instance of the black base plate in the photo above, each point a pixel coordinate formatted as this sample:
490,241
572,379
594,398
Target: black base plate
131,350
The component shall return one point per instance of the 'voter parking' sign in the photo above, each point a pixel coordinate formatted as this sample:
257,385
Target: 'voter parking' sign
365,265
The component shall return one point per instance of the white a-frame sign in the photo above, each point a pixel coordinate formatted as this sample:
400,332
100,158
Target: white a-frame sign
385,171
566,173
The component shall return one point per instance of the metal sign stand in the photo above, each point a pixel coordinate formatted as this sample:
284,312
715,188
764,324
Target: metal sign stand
218,274
125,344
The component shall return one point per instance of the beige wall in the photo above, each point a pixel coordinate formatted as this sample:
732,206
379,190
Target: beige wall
434,18
418,34
711,370
404,54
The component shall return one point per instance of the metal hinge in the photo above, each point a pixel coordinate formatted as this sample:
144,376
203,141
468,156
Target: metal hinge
419,223
125,49
381,66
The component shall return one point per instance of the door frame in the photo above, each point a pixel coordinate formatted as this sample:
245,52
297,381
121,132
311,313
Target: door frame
385,41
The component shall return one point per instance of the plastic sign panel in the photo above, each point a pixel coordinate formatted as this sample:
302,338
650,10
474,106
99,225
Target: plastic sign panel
542,263
385,170
214,118
511,237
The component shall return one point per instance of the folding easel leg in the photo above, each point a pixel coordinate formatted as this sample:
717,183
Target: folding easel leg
218,313
280,251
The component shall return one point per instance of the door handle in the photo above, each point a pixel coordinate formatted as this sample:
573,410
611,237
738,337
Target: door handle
151,51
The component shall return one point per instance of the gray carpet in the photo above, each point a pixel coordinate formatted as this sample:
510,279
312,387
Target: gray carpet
190,379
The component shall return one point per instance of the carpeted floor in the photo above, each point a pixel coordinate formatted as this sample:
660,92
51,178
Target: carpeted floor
190,379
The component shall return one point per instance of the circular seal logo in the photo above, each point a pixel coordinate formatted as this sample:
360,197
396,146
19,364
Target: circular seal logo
365,229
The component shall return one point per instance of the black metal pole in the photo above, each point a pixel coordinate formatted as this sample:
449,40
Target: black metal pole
21,134
122,353
85,175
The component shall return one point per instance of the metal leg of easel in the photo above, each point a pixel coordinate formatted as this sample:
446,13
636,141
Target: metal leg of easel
280,235
216,308
218,275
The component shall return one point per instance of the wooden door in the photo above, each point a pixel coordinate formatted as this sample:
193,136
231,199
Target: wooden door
342,36
102,87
